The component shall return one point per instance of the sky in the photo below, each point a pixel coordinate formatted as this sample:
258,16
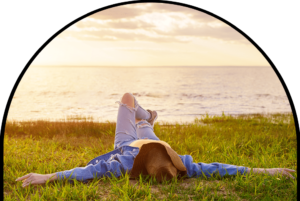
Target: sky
150,34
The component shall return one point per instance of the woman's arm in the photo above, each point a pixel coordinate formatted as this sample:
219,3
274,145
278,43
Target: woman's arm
102,168
33,178
115,165
208,170
272,171
200,169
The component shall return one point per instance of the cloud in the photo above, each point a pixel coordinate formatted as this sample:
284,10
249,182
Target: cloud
119,12
130,25
138,9
223,32
195,14
155,22
119,35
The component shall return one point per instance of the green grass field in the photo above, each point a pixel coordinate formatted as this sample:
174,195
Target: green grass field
261,141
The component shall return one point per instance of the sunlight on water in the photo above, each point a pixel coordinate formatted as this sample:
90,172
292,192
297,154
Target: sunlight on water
177,94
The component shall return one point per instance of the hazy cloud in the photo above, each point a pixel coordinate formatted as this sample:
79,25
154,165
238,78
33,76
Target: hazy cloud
155,22
117,35
222,32
195,14
118,12
133,10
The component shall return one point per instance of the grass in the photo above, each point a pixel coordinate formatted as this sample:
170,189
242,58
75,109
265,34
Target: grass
265,141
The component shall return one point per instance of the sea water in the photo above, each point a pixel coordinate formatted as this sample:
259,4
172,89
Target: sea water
178,94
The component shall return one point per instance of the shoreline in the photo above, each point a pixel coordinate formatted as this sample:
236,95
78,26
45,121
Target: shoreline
81,118
197,120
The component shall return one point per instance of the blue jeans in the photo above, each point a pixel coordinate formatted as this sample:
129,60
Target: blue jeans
127,130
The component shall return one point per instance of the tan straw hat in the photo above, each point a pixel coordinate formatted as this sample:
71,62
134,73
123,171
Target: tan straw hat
159,161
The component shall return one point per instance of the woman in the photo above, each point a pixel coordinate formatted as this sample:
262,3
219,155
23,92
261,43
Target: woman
139,151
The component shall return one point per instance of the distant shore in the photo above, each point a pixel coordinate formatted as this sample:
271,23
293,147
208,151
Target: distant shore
82,118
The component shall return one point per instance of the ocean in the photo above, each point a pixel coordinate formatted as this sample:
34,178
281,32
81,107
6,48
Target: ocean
178,94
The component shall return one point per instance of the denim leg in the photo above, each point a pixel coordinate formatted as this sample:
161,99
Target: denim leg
125,128
141,113
145,131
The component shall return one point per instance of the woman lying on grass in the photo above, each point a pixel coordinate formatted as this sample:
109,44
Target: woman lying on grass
138,150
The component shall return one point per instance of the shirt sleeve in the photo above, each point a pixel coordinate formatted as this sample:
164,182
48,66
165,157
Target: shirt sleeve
101,169
201,169
116,165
